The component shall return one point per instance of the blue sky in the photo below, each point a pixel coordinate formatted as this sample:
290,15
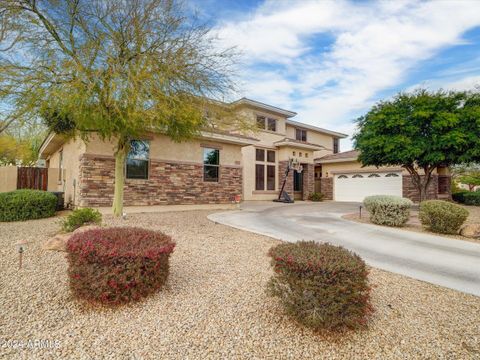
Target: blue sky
331,60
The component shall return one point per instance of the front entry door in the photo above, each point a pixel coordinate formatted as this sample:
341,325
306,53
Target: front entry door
298,185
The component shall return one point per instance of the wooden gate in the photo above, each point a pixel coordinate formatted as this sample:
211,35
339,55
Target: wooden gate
32,178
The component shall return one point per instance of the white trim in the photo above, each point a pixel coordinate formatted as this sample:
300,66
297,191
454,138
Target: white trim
45,143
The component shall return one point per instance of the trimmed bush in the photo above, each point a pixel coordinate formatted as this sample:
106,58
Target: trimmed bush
320,285
117,265
388,210
442,216
315,196
26,204
80,217
472,198
459,196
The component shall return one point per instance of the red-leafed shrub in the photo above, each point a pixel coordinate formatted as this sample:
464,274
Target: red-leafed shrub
119,264
320,285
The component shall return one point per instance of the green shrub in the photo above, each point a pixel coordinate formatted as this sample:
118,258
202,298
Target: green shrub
388,210
320,285
117,265
472,198
26,204
459,196
315,196
80,217
442,216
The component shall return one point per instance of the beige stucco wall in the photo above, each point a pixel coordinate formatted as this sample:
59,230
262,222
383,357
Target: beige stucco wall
267,138
301,155
315,137
332,168
72,150
249,192
282,154
8,178
162,148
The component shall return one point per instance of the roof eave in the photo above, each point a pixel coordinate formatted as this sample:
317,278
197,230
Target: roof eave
315,128
225,138
270,108
320,161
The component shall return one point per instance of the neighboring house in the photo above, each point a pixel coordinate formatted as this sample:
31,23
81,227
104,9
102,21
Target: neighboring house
341,177
217,166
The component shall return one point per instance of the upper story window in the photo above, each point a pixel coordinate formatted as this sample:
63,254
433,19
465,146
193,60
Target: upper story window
266,123
137,160
301,135
336,145
211,164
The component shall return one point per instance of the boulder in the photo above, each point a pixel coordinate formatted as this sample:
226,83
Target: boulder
57,243
85,228
471,231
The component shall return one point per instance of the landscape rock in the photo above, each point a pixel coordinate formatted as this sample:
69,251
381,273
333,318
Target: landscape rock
85,228
471,231
57,243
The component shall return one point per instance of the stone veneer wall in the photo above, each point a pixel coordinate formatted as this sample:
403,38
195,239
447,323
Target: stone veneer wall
411,192
169,183
282,167
308,180
326,187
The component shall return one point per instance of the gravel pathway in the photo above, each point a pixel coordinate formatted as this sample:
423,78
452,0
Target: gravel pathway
214,306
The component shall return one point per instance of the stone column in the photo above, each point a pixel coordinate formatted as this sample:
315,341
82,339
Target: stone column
326,187
308,180
282,167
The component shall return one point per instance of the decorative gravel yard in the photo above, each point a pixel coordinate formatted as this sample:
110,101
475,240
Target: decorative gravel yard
414,224
214,305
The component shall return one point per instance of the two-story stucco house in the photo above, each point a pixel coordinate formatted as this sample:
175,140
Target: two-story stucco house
217,166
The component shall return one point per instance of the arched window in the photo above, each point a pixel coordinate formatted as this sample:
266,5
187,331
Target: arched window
357,176
373,175
391,175
342,176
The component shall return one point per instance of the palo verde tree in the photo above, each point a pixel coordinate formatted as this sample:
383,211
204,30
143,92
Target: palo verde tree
421,131
468,174
117,69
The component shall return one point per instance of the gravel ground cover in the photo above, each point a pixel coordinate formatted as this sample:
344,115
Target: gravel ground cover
214,306
414,223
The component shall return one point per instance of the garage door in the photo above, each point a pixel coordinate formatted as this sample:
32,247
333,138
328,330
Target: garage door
355,187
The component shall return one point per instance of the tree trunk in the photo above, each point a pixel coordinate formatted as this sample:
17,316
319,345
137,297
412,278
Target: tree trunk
120,156
421,182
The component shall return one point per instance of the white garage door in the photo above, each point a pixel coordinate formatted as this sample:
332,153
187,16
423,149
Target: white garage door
355,187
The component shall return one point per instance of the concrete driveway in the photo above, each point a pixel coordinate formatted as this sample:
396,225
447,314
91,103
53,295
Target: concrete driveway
443,261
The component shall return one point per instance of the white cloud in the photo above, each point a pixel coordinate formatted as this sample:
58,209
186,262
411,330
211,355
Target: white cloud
374,45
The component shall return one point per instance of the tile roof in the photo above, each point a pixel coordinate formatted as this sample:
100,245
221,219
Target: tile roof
339,156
